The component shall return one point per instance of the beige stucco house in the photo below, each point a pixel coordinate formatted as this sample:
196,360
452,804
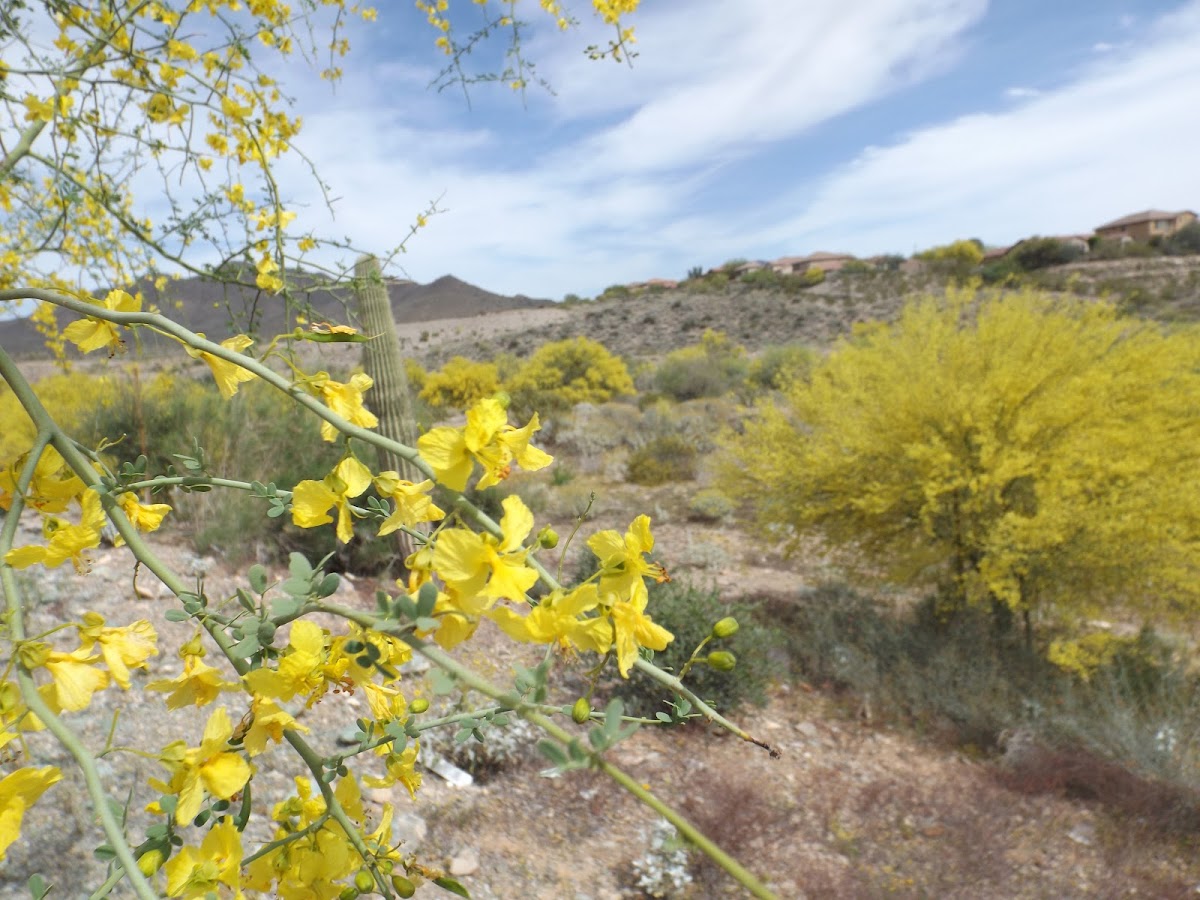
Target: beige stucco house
1144,225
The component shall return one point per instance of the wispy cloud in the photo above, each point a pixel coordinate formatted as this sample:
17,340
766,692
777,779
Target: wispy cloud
1120,138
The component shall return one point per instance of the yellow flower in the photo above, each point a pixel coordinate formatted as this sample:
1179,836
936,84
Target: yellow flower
91,334
413,504
301,670
266,278
75,676
267,721
345,399
199,684
487,438
52,488
19,791
143,516
633,629
479,564
559,618
200,872
312,500
66,541
122,648
622,566
401,767
228,375
208,769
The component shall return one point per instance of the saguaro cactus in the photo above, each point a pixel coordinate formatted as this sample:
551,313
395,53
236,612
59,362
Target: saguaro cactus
391,396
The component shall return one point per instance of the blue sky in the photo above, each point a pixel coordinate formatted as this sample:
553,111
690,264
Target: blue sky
760,128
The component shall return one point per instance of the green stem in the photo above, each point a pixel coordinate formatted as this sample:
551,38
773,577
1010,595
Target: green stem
529,712
14,607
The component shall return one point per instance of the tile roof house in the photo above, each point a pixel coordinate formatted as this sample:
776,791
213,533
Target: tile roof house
826,262
1144,225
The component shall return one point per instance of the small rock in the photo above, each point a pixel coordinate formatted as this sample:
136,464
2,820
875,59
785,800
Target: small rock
465,863
1084,833
809,730
409,828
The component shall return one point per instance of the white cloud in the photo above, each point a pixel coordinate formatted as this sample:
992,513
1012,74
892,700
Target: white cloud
600,199
1103,47
1021,93
1120,139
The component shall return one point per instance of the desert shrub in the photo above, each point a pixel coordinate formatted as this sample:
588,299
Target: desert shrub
963,443
711,368
664,459
778,365
1038,253
761,278
1185,241
710,505
507,743
417,376
689,612
70,398
615,292
563,373
956,259
1001,271
459,383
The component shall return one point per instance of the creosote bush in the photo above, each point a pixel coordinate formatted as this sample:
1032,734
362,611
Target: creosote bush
712,368
663,459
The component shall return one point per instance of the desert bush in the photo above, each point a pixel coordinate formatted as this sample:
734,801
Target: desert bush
690,612
459,383
1185,241
765,278
1013,448
1038,253
711,368
710,505
956,259
778,365
563,373
70,398
663,459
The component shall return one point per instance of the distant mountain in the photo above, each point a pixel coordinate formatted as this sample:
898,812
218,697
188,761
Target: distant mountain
220,311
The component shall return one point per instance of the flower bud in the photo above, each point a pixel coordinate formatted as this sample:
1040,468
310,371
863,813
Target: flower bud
348,893
727,627
581,711
721,660
418,706
151,861
503,398
403,887
548,538
364,880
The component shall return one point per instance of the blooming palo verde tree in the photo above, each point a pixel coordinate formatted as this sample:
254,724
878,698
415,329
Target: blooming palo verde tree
98,97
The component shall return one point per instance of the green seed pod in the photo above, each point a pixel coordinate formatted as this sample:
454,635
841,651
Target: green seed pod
348,893
721,660
548,538
581,711
266,632
418,706
727,627
364,880
403,887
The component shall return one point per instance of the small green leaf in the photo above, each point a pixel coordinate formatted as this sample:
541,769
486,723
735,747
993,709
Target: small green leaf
442,682
427,624
553,752
426,600
246,600
258,578
449,884
329,585
246,647
176,615
38,887
298,566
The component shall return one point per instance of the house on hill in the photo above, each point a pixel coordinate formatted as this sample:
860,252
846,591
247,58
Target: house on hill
798,265
1144,225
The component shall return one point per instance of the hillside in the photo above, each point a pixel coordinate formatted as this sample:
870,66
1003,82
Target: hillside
220,311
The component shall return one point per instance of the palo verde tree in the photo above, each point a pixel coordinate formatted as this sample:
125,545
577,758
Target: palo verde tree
107,97
1020,450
